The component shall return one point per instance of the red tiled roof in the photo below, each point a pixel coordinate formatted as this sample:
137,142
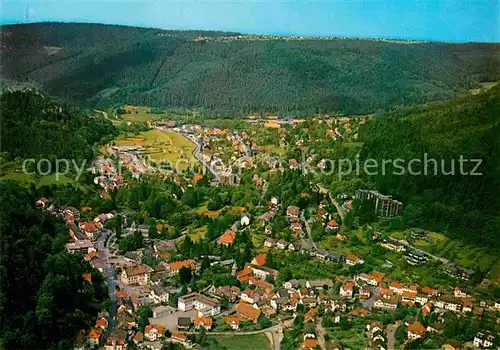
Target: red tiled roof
231,319
121,294
91,255
227,237
207,321
87,277
310,314
348,286
247,311
177,265
360,312
259,283
386,291
102,323
416,328
351,257
378,276
429,291
138,337
136,270
261,259
160,328
409,295
333,223
310,343
95,333
396,285
245,274
179,336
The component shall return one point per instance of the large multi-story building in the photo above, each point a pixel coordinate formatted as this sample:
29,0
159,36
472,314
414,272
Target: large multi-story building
384,205
415,257
83,247
136,275
206,306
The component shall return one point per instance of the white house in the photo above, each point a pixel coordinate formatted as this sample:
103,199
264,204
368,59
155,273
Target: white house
206,306
346,290
245,219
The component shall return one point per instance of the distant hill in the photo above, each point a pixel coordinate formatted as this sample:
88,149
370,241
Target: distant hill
465,206
102,65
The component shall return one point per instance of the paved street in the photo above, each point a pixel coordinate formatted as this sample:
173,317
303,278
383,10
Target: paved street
109,274
391,331
308,230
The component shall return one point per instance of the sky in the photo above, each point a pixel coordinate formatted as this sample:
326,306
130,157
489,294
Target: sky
451,20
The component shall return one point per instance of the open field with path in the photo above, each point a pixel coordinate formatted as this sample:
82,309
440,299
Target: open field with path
163,146
244,342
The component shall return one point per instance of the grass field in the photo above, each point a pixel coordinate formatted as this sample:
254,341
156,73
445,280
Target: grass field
203,210
244,342
353,338
461,253
140,114
198,233
15,173
273,149
163,146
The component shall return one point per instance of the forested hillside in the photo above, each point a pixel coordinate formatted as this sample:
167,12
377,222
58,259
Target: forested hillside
466,206
97,65
44,299
34,126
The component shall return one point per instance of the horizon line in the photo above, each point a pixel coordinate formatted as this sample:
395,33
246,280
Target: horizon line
337,36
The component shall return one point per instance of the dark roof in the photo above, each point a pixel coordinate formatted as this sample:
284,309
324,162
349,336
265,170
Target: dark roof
184,321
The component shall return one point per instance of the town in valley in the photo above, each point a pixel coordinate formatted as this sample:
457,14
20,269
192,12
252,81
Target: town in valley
245,242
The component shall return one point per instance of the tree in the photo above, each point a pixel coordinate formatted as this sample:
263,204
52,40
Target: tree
187,246
118,226
152,231
205,263
143,314
400,334
185,275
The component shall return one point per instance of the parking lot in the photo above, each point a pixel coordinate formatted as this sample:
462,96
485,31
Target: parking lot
170,321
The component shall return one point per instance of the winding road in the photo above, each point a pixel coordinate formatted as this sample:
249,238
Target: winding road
340,209
308,230
198,155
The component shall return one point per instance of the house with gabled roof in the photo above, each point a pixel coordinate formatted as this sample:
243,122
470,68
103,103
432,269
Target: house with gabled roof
136,275
386,302
293,212
332,225
347,289
259,259
94,336
352,259
311,314
310,343
248,311
153,332
203,322
319,283
416,330
227,238
233,321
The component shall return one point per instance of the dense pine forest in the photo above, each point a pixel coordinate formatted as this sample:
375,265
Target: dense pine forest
100,65
465,206
44,299
34,126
